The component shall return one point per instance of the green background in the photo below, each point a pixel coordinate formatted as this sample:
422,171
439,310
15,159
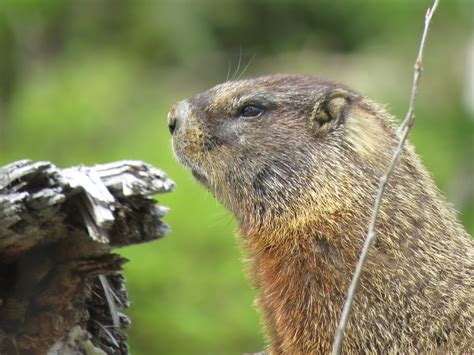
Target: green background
89,81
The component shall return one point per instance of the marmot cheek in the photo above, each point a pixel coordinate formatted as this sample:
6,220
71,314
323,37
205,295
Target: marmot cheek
188,144
194,140
212,142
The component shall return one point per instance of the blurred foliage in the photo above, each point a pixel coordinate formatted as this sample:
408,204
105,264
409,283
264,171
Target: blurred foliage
90,81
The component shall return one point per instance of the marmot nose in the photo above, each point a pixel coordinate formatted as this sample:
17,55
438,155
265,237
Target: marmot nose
177,114
172,121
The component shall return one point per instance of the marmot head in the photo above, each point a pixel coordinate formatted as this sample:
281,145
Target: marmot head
261,146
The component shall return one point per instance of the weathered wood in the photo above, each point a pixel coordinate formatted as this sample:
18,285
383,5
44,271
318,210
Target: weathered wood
60,286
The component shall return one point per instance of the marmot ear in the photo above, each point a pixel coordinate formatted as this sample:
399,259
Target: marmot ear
330,109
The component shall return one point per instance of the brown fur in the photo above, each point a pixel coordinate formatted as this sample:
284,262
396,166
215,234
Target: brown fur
301,180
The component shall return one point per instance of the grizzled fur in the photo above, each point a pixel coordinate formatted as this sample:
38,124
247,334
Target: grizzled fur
301,180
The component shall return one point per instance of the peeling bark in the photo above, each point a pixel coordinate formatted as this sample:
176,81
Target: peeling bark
61,290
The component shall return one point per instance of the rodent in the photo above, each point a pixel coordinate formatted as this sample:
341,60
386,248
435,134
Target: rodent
298,161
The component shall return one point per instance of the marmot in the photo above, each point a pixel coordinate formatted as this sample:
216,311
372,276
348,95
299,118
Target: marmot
298,161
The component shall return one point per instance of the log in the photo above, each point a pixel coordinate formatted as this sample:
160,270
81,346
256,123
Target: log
61,289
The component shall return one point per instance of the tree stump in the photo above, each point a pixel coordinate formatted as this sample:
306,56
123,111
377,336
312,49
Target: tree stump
61,290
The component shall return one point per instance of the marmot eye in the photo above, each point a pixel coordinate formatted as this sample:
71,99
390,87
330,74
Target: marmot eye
251,111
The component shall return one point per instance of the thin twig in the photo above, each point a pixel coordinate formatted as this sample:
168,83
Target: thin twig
410,117
403,132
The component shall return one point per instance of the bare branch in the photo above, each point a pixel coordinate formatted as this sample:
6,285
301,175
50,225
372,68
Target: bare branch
410,116
403,131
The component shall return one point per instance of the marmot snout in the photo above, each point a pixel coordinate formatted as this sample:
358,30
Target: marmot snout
297,160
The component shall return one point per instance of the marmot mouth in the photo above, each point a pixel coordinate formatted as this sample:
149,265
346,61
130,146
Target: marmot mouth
200,177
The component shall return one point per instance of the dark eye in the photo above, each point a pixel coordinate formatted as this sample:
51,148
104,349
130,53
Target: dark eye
251,111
